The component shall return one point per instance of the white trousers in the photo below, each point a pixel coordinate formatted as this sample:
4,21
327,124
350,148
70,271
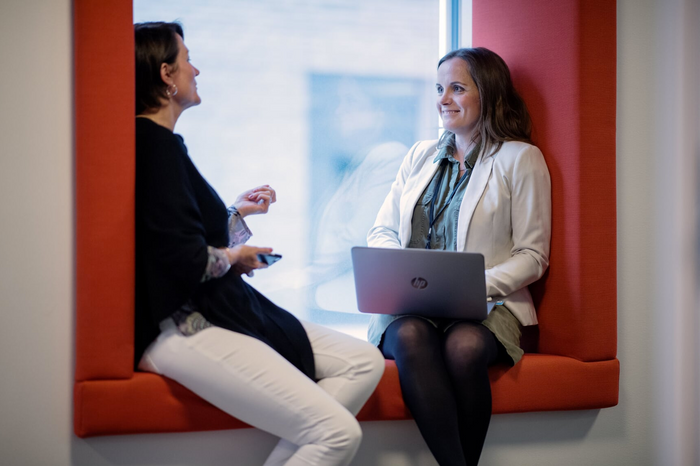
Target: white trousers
249,380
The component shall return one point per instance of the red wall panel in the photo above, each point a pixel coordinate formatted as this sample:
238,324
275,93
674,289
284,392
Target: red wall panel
562,55
104,172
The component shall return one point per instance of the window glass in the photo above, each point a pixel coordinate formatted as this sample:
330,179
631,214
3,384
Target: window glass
320,99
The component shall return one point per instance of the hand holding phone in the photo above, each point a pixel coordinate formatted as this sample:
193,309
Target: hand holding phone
245,259
269,259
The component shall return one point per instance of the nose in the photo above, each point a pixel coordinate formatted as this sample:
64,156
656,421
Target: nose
196,71
445,98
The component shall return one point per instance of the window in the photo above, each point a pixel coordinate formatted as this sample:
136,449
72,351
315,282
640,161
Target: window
320,99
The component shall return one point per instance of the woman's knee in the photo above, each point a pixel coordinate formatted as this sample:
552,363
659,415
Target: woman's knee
469,348
375,362
353,434
367,366
408,337
342,432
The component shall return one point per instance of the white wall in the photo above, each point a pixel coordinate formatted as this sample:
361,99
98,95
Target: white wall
36,278
36,229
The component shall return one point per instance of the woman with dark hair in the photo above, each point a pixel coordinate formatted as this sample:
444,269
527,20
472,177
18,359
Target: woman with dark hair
482,187
197,321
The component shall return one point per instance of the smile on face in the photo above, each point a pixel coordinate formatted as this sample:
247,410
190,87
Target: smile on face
458,97
184,78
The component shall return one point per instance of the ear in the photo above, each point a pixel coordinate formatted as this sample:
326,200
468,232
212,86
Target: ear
166,74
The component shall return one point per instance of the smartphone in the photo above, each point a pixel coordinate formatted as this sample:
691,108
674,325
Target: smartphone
269,259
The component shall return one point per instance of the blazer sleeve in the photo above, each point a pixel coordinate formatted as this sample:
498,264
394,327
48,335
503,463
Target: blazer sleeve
172,236
385,232
531,212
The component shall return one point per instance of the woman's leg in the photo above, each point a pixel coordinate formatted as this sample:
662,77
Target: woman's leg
470,348
250,381
416,346
348,369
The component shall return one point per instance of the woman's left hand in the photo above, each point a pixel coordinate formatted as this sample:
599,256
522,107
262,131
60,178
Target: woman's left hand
255,201
244,259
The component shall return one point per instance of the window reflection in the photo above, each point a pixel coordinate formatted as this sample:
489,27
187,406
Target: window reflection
361,128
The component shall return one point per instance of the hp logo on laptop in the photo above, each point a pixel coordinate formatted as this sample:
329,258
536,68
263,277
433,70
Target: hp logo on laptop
419,283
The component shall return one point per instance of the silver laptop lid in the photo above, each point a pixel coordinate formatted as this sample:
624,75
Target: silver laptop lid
420,281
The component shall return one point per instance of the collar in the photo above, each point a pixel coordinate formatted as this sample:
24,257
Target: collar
446,153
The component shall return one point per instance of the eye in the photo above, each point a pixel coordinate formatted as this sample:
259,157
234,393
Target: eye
457,88
439,89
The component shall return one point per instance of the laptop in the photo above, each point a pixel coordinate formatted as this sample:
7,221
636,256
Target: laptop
430,283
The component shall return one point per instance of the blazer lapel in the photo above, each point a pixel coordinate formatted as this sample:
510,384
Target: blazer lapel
411,198
475,189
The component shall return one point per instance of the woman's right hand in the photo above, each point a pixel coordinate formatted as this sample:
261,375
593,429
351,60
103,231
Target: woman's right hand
255,201
244,259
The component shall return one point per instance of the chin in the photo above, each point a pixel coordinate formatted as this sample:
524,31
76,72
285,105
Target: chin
453,129
461,129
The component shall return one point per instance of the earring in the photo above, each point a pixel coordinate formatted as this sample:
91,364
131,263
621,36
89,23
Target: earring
170,93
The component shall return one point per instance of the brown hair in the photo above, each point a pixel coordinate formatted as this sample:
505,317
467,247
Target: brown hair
504,115
155,44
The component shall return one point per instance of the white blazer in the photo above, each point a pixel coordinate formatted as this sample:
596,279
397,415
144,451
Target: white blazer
505,215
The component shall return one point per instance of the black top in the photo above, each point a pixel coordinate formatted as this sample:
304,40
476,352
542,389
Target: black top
177,215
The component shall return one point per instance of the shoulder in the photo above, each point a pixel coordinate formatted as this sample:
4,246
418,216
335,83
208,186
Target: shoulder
517,153
150,135
147,128
514,149
423,148
522,164
154,142
160,154
421,151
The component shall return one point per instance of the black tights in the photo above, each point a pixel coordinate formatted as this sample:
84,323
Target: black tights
445,384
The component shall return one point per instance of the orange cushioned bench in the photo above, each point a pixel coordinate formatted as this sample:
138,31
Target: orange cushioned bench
563,57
